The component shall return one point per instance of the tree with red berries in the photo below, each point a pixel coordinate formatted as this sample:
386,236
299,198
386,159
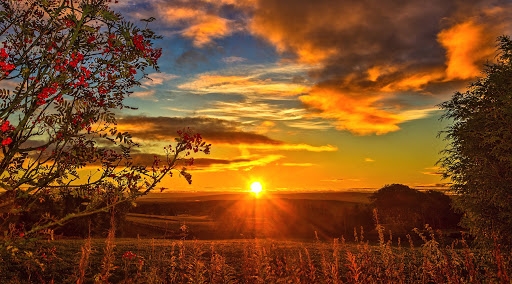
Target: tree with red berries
65,67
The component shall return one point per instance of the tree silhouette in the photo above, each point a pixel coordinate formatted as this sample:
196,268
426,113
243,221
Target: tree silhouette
398,207
478,158
438,211
401,208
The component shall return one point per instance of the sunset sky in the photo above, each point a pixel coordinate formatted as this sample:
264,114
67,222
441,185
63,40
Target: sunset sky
310,95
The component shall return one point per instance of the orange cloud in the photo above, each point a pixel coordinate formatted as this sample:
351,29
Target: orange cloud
361,113
206,29
353,112
148,94
467,45
416,81
200,26
252,110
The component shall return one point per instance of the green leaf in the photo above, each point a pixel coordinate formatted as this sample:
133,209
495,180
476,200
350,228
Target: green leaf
109,15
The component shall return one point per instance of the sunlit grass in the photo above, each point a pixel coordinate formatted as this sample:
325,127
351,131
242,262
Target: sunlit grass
256,261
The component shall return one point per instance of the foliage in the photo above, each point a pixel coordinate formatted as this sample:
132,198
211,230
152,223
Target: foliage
478,159
65,69
438,210
403,208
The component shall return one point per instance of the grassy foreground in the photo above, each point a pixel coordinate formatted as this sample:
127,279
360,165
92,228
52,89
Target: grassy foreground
113,260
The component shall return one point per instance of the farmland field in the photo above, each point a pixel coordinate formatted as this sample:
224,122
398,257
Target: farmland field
241,215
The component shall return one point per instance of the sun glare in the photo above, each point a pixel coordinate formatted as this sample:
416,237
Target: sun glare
256,187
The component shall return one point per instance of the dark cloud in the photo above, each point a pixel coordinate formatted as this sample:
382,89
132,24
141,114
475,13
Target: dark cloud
191,59
147,160
211,129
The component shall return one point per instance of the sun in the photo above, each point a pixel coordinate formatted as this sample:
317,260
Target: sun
256,187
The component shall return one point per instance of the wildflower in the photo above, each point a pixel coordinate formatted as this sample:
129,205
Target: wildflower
129,255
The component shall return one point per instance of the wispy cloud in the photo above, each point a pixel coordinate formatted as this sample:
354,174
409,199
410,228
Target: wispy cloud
233,59
244,164
146,94
254,110
293,147
369,160
297,164
309,124
242,85
265,127
432,171
156,79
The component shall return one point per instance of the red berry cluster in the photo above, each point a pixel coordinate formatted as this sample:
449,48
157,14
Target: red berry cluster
6,128
144,46
4,66
46,93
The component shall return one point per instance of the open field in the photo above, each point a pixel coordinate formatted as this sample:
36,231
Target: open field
350,196
217,216
251,261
